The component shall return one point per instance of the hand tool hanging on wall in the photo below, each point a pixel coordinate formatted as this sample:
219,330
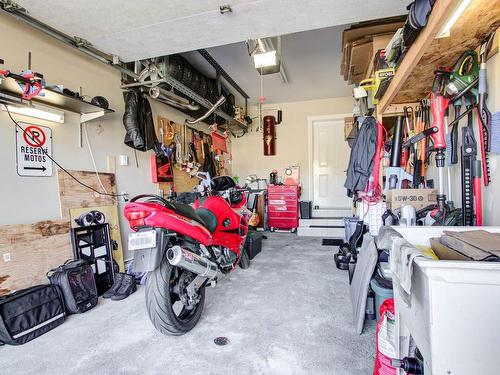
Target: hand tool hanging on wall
439,105
418,178
192,148
424,105
395,175
464,72
471,203
178,150
484,113
462,79
457,104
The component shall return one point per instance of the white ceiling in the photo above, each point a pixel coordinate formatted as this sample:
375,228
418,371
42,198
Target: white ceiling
135,29
311,60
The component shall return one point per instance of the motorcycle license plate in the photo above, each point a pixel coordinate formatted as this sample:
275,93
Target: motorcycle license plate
142,240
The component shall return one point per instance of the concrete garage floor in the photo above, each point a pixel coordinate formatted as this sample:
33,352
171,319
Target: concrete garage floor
289,313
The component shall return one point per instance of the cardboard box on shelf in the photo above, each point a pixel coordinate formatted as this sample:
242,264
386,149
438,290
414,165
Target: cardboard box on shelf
418,198
359,44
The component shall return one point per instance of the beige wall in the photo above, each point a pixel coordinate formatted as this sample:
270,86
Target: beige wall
292,143
30,199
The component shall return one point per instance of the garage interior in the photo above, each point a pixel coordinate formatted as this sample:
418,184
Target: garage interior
249,187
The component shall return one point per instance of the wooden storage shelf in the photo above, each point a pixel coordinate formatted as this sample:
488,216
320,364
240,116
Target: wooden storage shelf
415,75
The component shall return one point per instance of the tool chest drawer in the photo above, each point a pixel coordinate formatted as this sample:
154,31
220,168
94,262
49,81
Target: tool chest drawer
283,223
282,190
283,208
283,197
278,202
283,214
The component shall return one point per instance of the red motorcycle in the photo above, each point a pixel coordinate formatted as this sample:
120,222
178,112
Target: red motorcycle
185,249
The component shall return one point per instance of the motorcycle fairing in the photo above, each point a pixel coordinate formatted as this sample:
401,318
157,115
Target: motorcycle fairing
231,229
163,217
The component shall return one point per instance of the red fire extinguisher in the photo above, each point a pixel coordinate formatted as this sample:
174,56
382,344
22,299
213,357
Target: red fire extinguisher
269,133
386,340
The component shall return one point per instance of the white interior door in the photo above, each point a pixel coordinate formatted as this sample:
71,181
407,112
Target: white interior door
330,156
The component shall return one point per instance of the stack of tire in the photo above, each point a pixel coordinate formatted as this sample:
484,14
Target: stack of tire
208,88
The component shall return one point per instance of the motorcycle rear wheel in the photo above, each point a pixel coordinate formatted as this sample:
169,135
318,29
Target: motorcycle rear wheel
160,302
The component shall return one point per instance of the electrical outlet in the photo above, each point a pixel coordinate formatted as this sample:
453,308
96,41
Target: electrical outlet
6,257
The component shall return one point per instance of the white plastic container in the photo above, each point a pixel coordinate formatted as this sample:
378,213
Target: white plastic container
371,214
454,311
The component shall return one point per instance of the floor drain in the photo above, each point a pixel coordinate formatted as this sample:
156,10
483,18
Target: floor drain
221,341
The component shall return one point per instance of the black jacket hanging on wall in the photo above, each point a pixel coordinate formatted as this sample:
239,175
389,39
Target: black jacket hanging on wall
362,157
138,122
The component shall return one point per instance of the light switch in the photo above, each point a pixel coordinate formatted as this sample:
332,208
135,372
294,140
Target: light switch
6,257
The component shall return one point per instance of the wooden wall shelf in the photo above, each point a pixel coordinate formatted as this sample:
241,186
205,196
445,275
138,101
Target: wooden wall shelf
414,77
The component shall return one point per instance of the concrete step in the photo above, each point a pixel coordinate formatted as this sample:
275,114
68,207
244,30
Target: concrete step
322,222
326,232
332,213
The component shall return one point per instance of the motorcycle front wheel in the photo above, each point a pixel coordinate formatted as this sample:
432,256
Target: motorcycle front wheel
165,289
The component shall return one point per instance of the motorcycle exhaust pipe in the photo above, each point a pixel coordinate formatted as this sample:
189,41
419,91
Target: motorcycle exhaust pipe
179,257
219,102
167,97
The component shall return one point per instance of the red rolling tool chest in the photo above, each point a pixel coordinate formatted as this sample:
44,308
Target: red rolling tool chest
282,207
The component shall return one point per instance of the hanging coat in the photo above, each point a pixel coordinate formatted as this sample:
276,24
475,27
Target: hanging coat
362,157
138,122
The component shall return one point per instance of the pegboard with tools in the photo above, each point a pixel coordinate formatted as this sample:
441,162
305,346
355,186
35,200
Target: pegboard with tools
188,150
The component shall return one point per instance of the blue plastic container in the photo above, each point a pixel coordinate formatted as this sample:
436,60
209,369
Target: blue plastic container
381,294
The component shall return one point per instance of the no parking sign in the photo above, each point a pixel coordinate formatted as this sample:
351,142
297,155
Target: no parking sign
32,147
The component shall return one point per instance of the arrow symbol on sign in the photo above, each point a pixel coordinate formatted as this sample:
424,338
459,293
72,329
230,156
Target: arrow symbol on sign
43,169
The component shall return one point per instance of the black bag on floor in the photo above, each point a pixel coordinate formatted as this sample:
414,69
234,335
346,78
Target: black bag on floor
77,283
29,313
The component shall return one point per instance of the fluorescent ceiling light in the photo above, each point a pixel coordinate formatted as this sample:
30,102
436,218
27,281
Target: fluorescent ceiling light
261,60
445,31
38,112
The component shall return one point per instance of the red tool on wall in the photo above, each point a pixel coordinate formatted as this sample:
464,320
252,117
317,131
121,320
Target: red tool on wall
30,83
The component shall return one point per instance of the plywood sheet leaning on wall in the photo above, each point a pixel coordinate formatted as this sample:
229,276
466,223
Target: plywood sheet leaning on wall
34,249
73,195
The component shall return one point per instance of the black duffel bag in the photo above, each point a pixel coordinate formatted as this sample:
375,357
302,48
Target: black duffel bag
76,280
29,313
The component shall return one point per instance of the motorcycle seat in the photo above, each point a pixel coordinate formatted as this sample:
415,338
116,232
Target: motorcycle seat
202,215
